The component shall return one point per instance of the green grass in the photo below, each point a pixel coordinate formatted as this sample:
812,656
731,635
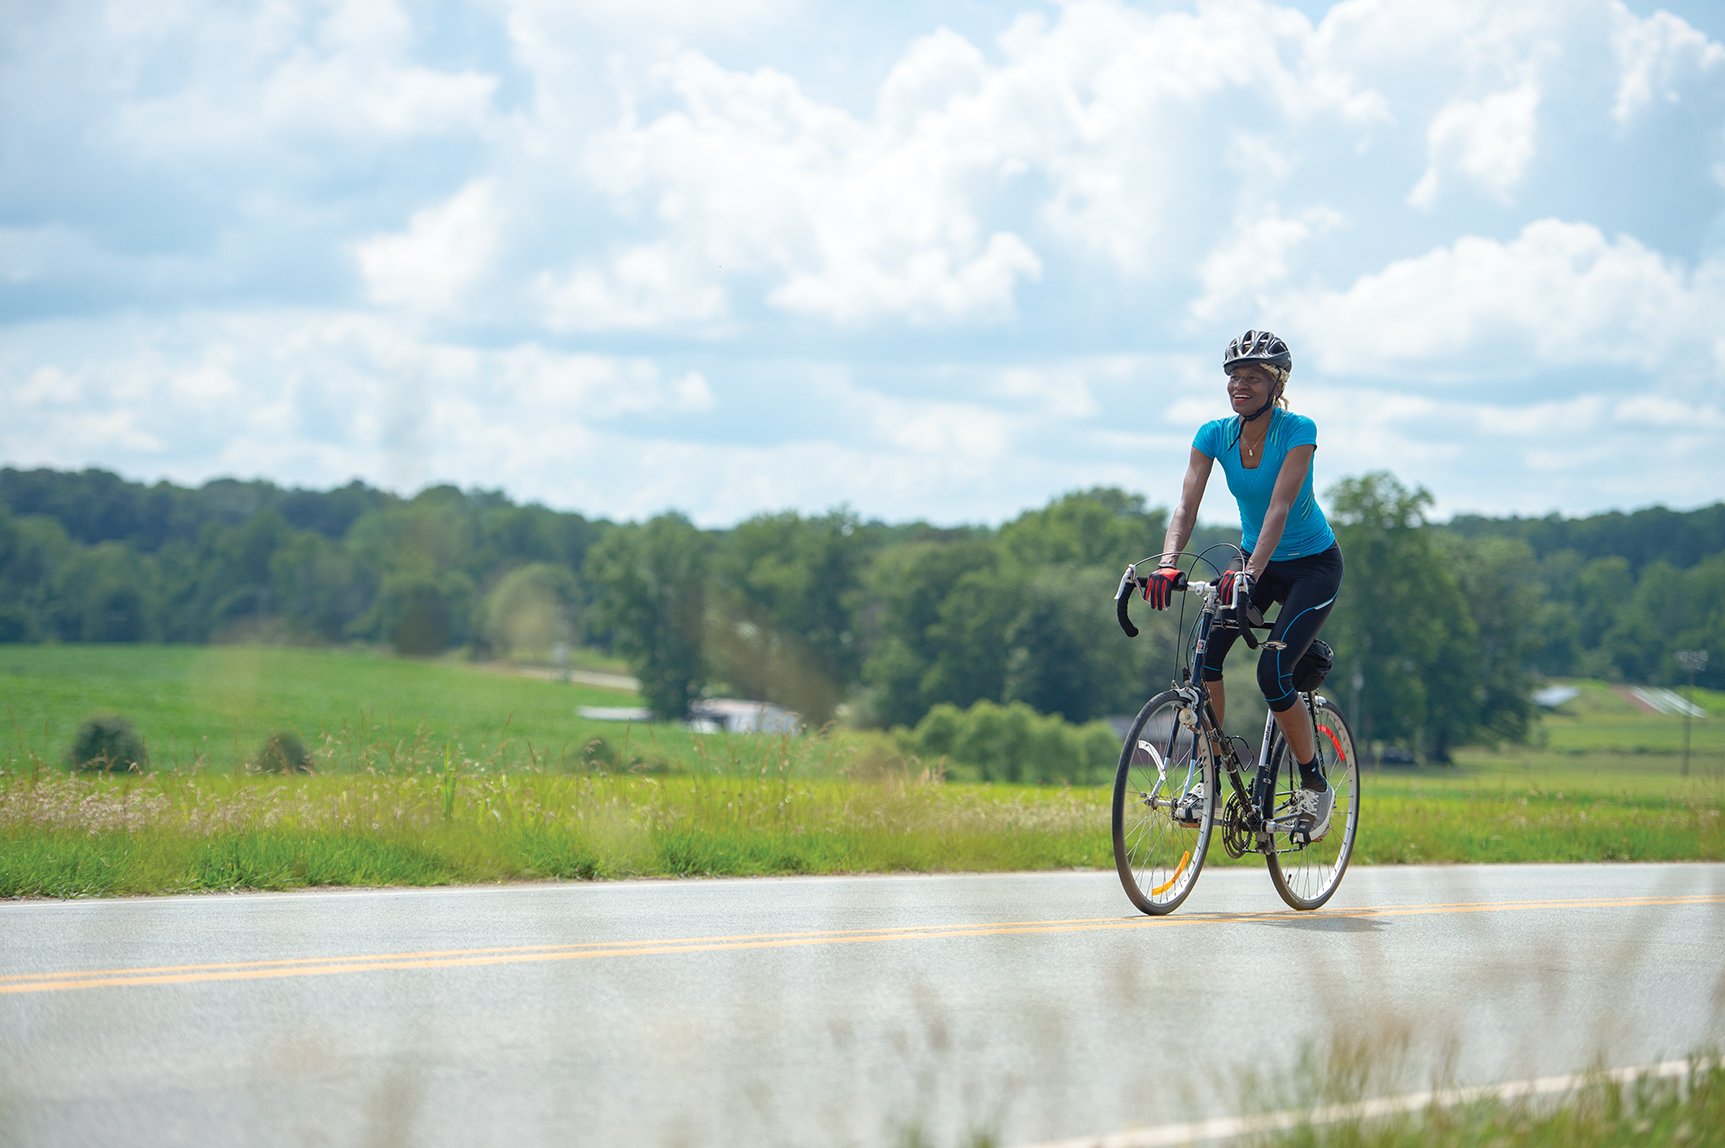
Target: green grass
1682,1111
441,772
66,836
1603,719
211,707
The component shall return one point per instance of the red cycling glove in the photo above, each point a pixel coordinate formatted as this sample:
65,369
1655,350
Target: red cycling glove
1159,587
1236,591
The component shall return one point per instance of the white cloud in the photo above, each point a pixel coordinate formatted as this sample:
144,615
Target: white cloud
1658,56
924,284
1558,294
208,381
445,251
268,75
1489,141
1255,259
47,386
552,246
860,219
652,286
1133,122
349,96
1062,392
934,71
853,221
661,24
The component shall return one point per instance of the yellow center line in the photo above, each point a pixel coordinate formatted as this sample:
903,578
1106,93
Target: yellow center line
63,980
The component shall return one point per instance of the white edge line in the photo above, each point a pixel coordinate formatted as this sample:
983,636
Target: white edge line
1234,1127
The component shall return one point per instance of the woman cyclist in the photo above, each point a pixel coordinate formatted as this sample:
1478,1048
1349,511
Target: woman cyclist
1291,554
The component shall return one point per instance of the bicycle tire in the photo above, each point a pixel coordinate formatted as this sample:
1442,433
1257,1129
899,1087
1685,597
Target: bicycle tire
1164,756
1306,876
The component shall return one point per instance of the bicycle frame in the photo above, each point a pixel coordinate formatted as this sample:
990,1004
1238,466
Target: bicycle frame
1217,740
1258,800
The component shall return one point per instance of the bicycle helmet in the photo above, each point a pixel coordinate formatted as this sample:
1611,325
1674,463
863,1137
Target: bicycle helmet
1263,348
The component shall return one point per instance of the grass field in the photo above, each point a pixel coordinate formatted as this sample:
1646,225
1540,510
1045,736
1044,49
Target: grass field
211,708
432,773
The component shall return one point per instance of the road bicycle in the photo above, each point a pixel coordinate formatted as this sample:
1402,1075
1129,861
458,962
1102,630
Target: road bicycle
1178,762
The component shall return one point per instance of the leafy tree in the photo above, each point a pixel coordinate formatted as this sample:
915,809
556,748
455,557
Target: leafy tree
1702,626
99,595
1504,602
1105,526
510,535
332,513
319,588
1636,640
92,506
1641,537
1396,608
907,622
652,595
530,610
784,626
235,576
969,642
433,532
1445,624
1558,649
421,614
1065,654
183,613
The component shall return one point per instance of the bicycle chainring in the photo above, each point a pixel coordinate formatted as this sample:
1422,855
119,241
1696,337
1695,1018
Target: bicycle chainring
1239,837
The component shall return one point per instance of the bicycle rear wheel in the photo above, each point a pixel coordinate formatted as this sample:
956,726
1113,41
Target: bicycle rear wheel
1306,875
1164,804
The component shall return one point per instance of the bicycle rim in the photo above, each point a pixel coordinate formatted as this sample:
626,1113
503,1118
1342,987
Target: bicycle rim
1157,857
1307,875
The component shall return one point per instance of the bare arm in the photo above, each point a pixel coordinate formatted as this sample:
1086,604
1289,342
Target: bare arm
1288,482
1186,514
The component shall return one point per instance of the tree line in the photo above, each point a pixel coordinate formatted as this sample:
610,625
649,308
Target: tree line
1441,632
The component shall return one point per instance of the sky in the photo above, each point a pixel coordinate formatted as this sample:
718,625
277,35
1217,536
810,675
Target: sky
940,260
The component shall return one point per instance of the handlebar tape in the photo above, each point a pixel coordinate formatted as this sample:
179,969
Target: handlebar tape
1120,610
1130,581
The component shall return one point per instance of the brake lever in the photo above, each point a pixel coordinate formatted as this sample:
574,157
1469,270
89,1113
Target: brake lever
1128,580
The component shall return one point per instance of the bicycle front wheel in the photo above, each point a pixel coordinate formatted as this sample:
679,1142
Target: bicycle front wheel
1164,804
1306,875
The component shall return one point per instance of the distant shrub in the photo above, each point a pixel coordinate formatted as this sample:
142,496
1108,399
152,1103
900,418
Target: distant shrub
108,744
284,752
598,754
1015,743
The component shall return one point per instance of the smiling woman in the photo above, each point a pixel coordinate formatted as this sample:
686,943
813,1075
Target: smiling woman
1289,555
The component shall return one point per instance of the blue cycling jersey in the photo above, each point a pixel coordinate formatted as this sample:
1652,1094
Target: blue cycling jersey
1307,530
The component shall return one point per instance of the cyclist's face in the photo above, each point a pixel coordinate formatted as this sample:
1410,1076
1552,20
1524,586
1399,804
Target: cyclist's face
1249,386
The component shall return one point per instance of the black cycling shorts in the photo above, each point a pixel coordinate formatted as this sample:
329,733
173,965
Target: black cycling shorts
1306,588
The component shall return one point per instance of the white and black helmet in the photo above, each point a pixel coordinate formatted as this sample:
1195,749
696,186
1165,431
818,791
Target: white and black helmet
1260,347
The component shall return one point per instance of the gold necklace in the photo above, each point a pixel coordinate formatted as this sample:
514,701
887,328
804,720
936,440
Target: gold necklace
1248,450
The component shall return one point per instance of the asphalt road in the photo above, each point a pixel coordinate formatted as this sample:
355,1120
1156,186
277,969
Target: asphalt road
828,1010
